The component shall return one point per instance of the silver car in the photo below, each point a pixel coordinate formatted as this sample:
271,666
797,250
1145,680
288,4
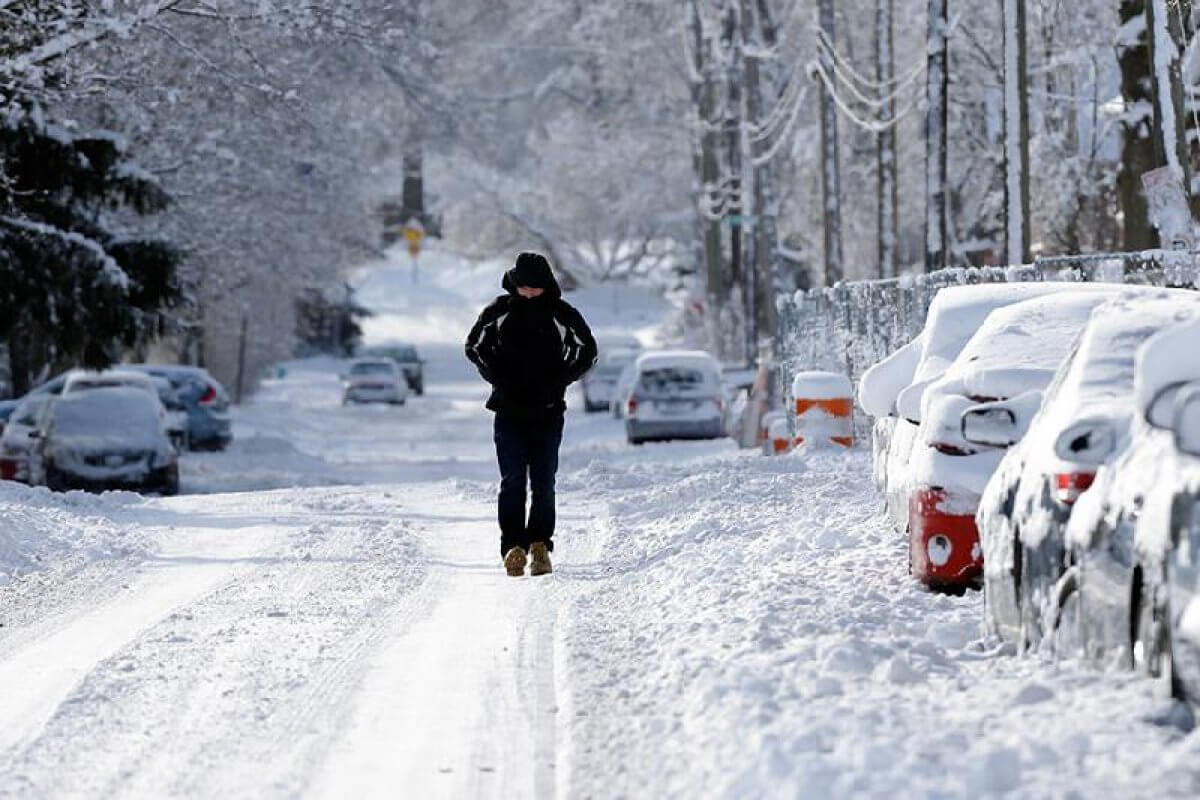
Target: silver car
374,380
675,395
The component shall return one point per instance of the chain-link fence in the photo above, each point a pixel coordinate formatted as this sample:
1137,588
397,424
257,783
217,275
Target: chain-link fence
849,327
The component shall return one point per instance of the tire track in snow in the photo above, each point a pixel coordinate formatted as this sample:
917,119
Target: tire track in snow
49,666
241,688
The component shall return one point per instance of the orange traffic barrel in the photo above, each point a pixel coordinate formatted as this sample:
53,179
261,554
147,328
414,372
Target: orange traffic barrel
824,408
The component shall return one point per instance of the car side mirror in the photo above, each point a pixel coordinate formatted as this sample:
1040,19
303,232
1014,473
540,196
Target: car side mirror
1087,442
1160,410
1187,422
991,426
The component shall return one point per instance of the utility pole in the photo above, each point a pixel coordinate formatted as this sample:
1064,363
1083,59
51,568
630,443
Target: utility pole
707,165
885,143
937,101
1016,135
761,76
239,384
831,176
733,137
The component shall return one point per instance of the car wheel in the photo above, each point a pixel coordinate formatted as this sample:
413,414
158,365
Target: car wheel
1067,613
1030,608
54,481
1150,647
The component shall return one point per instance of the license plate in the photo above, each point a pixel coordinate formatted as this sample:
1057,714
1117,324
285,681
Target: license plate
677,406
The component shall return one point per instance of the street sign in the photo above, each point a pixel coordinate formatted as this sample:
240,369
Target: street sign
414,233
738,220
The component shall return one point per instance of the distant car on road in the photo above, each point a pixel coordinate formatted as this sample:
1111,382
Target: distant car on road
15,442
104,438
374,380
202,398
406,357
600,383
617,349
675,395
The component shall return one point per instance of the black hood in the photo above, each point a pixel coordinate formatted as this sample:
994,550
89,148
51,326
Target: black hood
532,270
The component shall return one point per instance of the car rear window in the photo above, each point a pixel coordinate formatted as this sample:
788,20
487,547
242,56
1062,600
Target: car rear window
671,380
374,368
91,412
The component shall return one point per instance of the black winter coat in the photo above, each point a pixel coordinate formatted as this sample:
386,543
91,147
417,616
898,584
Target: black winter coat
530,350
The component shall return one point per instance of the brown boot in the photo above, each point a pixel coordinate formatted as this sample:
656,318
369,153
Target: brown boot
540,559
514,561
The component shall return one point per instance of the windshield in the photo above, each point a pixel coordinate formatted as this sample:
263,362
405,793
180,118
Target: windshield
371,368
27,413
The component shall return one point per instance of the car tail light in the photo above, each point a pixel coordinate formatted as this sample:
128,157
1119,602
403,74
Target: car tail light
632,406
209,396
1069,485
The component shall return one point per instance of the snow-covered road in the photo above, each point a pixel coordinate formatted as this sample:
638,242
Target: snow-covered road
326,616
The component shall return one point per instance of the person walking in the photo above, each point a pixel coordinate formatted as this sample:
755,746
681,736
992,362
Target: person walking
529,344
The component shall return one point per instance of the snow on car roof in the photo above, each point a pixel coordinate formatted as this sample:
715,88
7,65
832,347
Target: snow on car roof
954,315
957,312
125,376
1019,347
1102,373
696,359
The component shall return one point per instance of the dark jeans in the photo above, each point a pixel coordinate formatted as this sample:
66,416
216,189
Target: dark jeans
527,451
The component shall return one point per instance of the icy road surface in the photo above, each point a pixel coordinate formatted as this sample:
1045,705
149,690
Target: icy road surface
326,616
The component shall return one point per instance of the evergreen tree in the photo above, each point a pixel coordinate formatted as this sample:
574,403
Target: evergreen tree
73,287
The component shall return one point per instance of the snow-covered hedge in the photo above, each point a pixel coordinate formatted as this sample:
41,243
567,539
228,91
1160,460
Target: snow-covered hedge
850,326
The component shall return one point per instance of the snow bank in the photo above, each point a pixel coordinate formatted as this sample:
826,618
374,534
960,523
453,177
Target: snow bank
766,641
40,530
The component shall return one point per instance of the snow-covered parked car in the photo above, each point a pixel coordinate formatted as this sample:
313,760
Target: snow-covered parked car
203,399
15,442
1031,575
1012,356
894,387
174,421
104,438
676,395
374,380
1164,608
600,383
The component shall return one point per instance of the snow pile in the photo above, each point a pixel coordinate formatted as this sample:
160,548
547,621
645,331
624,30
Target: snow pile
769,643
40,530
